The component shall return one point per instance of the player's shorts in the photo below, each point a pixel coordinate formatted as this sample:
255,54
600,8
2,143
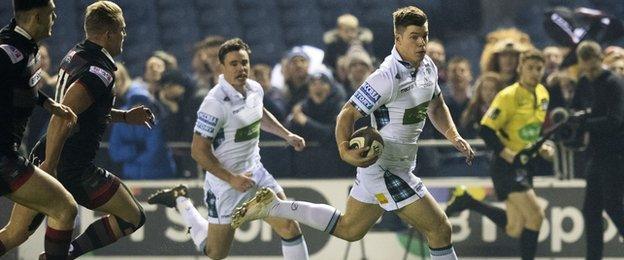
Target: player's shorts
391,188
221,199
507,179
90,185
15,170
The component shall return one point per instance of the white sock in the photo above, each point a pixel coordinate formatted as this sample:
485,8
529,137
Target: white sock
192,218
446,253
295,249
318,216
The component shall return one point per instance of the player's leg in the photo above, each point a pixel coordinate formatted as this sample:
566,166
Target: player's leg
426,216
462,200
22,224
42,193
533,216
125,215
218,241
515,221
293,243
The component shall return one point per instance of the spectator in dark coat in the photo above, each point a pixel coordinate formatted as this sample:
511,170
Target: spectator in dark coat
347,33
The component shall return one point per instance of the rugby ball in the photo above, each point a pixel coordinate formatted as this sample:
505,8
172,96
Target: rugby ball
367,136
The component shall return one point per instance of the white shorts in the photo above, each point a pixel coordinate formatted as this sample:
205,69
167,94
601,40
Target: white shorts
221,199
391,188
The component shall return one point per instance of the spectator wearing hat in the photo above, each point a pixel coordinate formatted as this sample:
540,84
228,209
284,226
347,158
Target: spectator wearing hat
296,77
314,118
346,34
359,67
141,151
504,60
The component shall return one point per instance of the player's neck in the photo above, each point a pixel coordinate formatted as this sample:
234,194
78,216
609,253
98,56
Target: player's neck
527,86
29,29
100,41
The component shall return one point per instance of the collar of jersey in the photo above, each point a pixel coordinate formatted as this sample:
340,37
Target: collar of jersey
90,44
395,54
22,32
229,90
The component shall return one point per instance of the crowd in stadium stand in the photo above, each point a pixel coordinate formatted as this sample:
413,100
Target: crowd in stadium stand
305,92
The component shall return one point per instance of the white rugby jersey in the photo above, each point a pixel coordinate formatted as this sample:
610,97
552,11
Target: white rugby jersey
396,96
233,122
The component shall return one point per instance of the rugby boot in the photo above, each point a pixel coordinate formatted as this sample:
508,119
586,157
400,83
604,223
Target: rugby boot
255,208
167,197
460,201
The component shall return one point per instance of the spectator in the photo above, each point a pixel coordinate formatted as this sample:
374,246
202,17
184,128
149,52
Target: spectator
142,152
273,97
459,79
359,67
502,51
314,118
296,76
205,63
347,33
554,58
561,86
486,88
155,66
437,53
614,62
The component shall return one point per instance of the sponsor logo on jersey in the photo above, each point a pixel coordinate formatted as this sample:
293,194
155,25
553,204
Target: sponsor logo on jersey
367,96
530,132
247,133
494,113
415,114
35,78
206,122
106,77
14,54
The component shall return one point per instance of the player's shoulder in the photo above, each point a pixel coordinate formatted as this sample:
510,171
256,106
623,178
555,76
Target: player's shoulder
542,91
12,51
387,73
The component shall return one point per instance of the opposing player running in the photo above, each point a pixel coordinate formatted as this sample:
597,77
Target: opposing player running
399,95
20,180
225,143
85,84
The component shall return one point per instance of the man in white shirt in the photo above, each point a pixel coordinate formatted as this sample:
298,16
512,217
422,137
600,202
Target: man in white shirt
225,144
399,96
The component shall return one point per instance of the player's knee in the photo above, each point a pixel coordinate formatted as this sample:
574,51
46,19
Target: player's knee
514,230
535,219
440,232
142,218
289,229
354,235
67,213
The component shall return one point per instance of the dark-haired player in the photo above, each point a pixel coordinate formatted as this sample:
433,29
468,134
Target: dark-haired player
20,76
85,84
225,144
398,96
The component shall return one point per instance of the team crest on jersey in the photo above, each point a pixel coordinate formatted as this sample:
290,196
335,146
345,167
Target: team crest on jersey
14,54
106,77
544,104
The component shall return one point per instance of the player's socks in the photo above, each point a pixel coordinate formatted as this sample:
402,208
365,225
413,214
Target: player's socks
295,248
2,248
97,235
528,244
193,220
318,216
496,214
56,243
444,253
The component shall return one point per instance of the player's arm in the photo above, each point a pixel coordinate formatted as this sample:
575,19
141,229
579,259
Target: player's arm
270,124
201,151
344,129
493,120
78,100
441,119
139,115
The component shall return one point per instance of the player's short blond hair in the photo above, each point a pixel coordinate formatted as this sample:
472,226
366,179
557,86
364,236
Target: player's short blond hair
101,16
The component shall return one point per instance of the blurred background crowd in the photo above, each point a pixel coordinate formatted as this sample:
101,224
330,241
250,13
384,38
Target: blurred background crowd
310,56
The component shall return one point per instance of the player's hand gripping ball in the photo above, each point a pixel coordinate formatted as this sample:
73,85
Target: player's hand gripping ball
367,136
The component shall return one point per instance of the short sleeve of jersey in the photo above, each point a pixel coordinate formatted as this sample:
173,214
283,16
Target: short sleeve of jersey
498,113
210,118
375,92
437,90
96,80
